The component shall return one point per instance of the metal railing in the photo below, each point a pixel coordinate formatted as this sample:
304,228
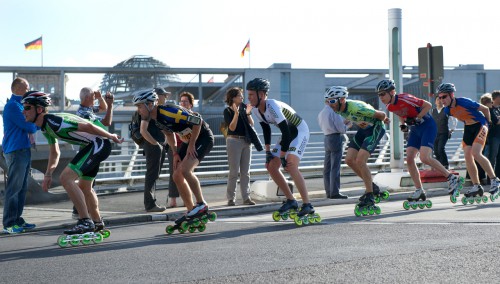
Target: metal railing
126,166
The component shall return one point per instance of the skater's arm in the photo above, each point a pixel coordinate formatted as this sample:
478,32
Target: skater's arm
145,133
191,150
266,131
426,106
486,112
54,154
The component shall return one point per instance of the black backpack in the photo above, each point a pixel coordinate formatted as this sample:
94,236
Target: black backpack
135,129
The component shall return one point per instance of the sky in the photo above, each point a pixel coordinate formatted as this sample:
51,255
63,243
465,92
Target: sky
316,34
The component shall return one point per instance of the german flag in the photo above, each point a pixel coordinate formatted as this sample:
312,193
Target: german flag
246,48
34,45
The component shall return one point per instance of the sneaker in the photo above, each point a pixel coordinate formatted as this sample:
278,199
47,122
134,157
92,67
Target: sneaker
28,226
156,208
495,184
13,230
198,209
339,196
231,203
476,189
249,202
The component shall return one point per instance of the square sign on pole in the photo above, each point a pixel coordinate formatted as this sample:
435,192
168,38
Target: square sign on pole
430,69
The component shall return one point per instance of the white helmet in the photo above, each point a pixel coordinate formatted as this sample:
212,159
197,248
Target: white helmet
336,92
145,97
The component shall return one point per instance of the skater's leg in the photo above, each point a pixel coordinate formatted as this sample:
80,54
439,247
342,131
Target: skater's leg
187,167
274,171
293,169
482,160
357,160
471,165
90,198
411,153
426,158
68,178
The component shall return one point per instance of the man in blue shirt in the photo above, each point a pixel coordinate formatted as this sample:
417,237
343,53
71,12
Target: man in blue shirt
16,146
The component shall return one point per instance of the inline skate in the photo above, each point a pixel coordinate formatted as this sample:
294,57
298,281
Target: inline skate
307,215
379,195
366,206
288,209
474,194
455,184
417,199
196,219
83,232
494,189
100,227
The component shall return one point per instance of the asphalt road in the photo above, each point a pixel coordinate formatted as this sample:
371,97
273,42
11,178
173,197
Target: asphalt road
445,244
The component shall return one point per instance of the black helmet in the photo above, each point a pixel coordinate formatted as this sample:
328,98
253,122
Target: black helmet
161,91
144,97
446,88
385,85
36,98
258,84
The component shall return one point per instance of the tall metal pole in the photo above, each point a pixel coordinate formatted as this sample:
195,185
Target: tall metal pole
396,74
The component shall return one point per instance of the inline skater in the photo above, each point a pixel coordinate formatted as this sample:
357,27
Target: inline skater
363,143
197,140
476,117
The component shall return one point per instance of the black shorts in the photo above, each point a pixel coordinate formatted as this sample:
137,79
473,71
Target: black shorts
475,133
203,146
87,161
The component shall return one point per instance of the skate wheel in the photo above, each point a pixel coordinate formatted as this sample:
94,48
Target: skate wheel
87,239
471,201
317,218
464,200
364,211
181,230
378,210
75,240
311,219
98,238
421,205
305,220
298,221
192,229
385,195
357,212
414,206
196,222
377,199
105,233
276,216
453,198
485,199
478,200
62,241
202,228
285,216
371,211
212,216
406,205
492,198
169,229
293,213
184,226
204,219
429,204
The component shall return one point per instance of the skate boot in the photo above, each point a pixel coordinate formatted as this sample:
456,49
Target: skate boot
494,189
379,194
366,205
193,220
83,232
474,194
101,228
307,215
288,209
417,199
455,184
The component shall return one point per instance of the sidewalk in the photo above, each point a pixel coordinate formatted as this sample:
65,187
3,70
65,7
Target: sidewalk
127,207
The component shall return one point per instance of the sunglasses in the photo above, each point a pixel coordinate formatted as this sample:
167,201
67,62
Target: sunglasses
442,97
332,101
27,107
381,94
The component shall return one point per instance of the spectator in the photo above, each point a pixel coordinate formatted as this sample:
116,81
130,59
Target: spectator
333,126
494,133
173,193
446,125
85,166
16,147
239,148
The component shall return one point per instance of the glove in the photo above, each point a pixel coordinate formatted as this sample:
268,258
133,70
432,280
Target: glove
269,157
413,120
403,127
418,121
283,162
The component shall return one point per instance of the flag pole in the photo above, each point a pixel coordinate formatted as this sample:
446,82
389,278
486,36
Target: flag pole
42,48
